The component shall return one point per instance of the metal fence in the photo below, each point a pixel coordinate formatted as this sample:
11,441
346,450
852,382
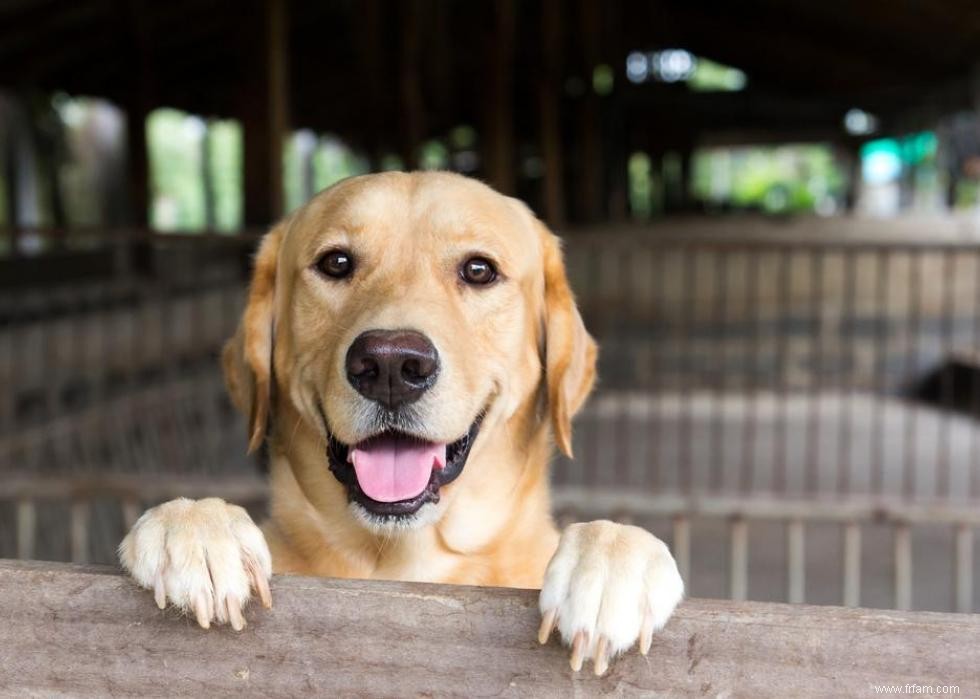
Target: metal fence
798,417
783,367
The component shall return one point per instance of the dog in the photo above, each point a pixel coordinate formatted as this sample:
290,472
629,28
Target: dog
410,353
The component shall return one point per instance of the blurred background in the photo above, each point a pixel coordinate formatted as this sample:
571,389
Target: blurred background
772,217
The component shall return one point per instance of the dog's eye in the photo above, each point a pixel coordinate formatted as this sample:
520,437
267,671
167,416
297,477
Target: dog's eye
336,263
478,271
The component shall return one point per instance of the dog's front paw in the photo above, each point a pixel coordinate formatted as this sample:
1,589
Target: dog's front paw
203,556
608,585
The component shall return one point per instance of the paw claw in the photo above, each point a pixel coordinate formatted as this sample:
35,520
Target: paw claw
201,612
646,634
547,626
235,615
601,657
260,583
578,650
159,593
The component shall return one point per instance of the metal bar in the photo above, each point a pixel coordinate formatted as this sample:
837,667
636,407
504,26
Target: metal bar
657,377
753,317
811,480
973,476
721,322
623,306
795,562
26,528
846,375
852,564
903,567
780,418
881,357
688,368
963,568
682,546
911,368
943,484
78,531
739,560
637,446
840,509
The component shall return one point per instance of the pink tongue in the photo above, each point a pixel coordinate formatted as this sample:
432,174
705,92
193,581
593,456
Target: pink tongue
390,468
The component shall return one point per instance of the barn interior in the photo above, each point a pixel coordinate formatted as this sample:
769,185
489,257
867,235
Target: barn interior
772,220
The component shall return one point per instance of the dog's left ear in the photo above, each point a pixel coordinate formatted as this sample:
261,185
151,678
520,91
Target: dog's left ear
569,351
247,357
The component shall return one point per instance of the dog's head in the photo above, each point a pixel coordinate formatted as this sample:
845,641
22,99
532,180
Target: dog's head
406,318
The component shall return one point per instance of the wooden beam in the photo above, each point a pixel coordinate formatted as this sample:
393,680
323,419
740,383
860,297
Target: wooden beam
549,95
101,635
499,128
412,117
371,55
264,110
590,125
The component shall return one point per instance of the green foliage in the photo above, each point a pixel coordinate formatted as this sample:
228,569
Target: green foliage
782,179
709,76
640,185
225,153
333,161
177,145
603,79
174,141
433,155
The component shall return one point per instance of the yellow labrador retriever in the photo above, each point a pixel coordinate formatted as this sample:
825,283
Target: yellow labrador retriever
410,350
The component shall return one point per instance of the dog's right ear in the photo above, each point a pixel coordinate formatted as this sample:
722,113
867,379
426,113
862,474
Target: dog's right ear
247,357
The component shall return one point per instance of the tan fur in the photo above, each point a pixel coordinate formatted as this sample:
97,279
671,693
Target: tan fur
496,527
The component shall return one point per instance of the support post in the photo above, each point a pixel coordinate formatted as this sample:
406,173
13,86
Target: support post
499,141
549,95
265,112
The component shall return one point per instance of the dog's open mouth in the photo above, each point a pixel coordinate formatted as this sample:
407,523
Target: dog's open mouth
394,474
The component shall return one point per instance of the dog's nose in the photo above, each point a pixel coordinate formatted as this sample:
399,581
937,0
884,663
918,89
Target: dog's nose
392,367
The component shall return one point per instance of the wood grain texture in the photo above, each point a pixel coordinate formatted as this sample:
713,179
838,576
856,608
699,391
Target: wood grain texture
86,631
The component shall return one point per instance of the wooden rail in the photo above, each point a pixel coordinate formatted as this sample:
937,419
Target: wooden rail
86,631
135,491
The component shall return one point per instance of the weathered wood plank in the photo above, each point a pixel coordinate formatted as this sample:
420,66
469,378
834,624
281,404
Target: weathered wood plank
86,631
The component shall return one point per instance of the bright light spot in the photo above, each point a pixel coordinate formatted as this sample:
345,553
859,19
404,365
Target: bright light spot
195,126
678,65
858,122
305,140
637,67
881,162
673,65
